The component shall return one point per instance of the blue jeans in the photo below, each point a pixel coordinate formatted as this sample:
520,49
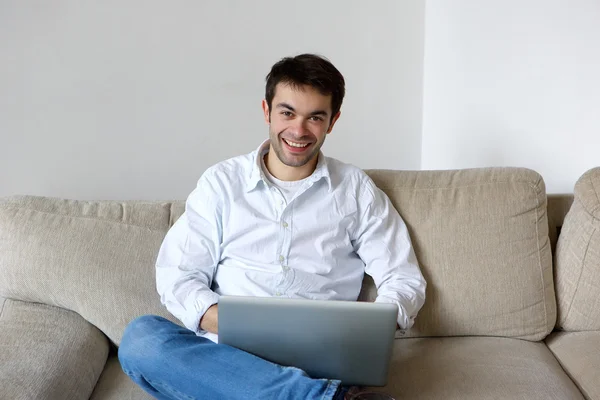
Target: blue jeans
171,362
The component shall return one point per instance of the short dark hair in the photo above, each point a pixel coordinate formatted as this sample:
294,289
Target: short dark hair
308,69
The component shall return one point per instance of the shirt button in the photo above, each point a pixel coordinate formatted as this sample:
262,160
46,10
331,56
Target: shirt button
286,268
281,258
277,293
285,224
281,202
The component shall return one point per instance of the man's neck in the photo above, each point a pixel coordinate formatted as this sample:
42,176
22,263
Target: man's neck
286,173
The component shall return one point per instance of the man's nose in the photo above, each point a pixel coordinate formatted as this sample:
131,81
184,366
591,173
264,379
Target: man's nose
300,127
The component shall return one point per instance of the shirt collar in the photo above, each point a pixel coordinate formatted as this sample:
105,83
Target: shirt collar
257,175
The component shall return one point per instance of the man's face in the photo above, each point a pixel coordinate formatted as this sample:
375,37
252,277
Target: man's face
299,121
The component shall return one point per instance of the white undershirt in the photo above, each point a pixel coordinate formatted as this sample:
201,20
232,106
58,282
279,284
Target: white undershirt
287,188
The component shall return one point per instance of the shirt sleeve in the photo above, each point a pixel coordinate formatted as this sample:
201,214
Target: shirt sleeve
189,255
383,243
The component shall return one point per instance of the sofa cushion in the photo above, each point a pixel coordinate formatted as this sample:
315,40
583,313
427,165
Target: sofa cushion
84,257
476,368
481,238
578,258
115,385
48,353
579,355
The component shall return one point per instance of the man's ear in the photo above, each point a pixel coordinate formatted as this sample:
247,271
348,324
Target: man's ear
333,121
267,112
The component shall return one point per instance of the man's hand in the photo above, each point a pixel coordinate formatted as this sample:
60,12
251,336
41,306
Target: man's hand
210,320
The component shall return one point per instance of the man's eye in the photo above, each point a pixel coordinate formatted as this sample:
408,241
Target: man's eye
316,118
286,113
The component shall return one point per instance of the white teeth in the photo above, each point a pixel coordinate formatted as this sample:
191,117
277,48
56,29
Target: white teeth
293,144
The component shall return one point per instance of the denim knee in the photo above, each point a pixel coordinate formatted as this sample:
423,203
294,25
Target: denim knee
138,343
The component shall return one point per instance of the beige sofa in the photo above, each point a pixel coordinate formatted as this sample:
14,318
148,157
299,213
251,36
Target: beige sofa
501,319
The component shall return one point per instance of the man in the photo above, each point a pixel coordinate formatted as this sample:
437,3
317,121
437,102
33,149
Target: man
281,221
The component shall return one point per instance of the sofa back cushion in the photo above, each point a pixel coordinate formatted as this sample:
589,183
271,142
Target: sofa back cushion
578,258
94,258
481,238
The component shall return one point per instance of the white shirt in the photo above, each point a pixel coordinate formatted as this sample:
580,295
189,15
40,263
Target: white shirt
239,236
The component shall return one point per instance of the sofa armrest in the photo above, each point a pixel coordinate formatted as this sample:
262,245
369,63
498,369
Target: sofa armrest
47,352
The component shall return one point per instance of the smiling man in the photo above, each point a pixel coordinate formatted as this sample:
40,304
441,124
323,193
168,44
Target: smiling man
282,221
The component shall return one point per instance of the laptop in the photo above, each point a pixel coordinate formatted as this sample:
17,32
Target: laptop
346,340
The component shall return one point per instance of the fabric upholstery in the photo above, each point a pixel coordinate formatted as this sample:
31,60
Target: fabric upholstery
115,385
578,258
47,353
476,368
96,259
481,238
579,355
177,209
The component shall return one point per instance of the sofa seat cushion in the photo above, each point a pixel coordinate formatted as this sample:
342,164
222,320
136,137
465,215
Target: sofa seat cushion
115,385
434,368
47,352
476,368
579,354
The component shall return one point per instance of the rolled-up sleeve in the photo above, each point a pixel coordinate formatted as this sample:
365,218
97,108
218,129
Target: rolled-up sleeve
189,255
383,243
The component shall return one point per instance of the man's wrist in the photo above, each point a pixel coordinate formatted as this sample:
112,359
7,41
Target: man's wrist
210,320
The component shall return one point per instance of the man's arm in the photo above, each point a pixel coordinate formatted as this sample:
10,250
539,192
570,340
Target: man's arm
189,256
383,243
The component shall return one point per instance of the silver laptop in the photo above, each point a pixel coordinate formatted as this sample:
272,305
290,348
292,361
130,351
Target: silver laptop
345,340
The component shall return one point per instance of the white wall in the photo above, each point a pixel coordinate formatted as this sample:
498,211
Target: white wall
513,82
134,99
